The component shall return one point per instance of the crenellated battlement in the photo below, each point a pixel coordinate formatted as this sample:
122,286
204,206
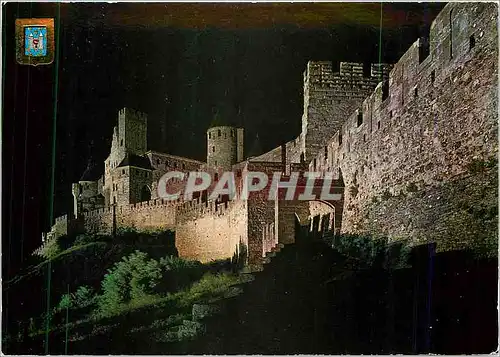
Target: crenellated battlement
158,203
351,80
422,127
152,204
132,113
62,219
197,208
414,80
98,212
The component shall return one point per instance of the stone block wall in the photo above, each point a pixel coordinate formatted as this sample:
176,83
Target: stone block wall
329,97
99,221
273,155
207,231
294,149
163,163
60,226
150,215
287,212
437,116
261,210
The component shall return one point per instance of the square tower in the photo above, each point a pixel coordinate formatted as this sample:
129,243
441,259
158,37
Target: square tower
331,96
132,131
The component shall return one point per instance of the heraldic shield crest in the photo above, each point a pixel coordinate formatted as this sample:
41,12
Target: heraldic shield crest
35,41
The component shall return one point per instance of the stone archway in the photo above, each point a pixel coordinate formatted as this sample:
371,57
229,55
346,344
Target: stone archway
328,213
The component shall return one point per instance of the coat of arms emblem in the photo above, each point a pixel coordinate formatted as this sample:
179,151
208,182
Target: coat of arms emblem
35,41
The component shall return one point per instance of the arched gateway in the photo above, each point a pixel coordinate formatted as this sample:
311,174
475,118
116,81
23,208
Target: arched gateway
274,224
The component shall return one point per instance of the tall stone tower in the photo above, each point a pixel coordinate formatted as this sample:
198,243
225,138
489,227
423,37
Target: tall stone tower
330,97
132,131
222,148
129,140
224,144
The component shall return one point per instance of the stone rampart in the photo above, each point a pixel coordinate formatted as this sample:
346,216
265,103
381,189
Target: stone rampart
433,120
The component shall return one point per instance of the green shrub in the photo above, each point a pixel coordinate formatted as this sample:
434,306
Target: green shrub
178,273
134,277
51,248
84,296
66,302
210,286
83,239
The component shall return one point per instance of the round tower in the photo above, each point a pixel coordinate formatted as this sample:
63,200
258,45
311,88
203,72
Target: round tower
222,148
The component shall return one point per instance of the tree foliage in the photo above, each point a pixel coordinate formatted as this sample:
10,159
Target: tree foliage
130,279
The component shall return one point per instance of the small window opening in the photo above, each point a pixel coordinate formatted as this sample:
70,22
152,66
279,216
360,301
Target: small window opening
366,70
210,135
433,76
213,148
378,125
360,118
218,132
416,92
121,142
326,152
385,90
451,34
423,49
340,139
390,114
314,164
472,42
364,138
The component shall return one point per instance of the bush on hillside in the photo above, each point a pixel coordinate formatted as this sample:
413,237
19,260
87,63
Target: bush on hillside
134,277
178,273
83,239
83,297
51,248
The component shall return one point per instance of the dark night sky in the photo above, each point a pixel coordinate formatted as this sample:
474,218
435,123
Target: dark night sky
178,63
